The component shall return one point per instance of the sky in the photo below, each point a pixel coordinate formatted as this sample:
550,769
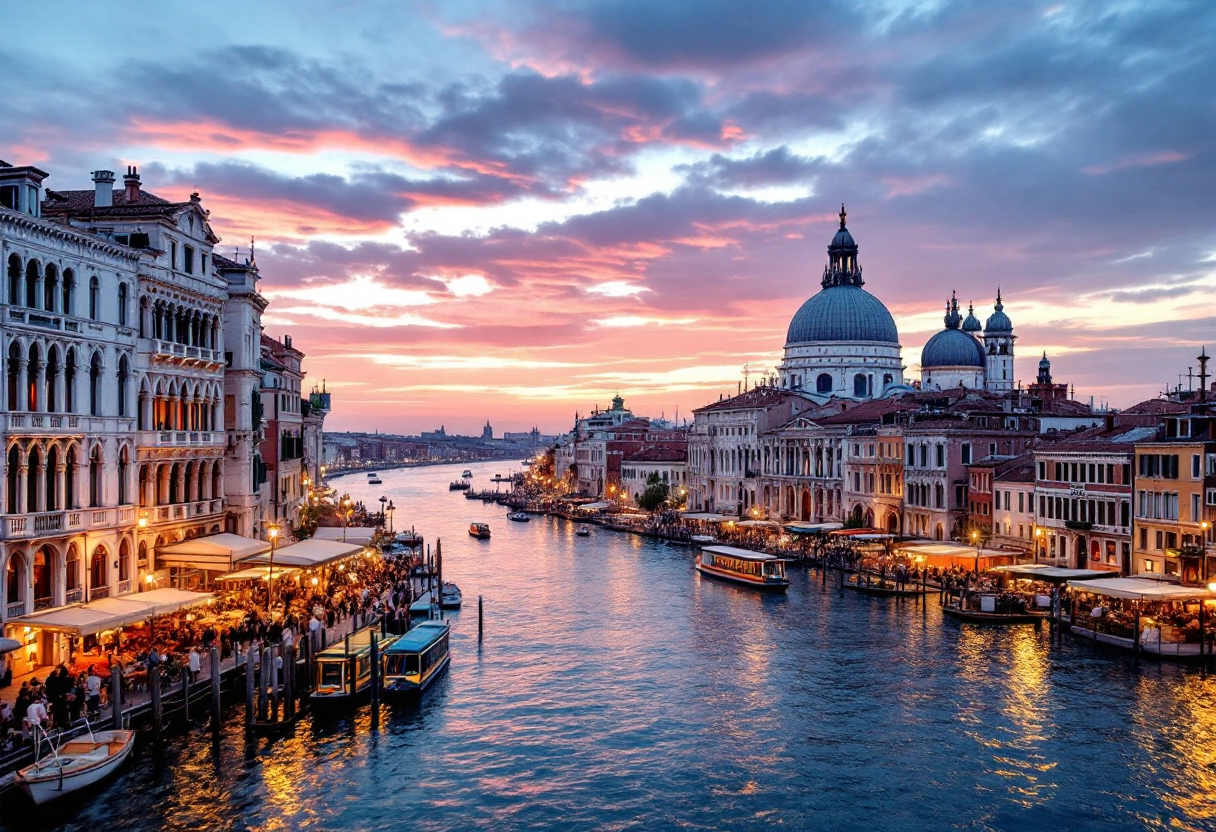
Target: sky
513,211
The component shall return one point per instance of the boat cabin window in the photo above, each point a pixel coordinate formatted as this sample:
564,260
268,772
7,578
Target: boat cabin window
331,674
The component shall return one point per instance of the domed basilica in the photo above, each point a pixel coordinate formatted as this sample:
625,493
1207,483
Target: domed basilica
843,342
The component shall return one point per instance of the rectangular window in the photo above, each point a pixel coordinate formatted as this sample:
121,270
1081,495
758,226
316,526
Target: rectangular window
1194,466
1150,565
966,454
188,259
1143,538
173,254
1159,538
1043,470
941,456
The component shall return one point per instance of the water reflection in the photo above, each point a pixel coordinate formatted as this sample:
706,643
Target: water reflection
615,688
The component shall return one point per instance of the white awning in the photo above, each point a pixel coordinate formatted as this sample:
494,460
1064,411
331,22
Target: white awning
1138,589
354,534
707,516
109,613
758,524
215,553
308,553
257,573
594,506
1051,574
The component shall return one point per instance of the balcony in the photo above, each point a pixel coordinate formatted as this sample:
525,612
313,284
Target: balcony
41,424
14,609
124,587
50,523
42,320
184,355
74,596
99,592
179,438
43,603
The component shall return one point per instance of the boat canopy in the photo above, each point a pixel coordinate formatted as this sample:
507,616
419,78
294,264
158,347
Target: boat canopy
758,524
707,516
308,553
742,554
111,613
419,638
1138,589
361,535
214,553
594,506
1051,574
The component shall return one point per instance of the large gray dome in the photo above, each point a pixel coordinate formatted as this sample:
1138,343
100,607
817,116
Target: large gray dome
952,348
844,312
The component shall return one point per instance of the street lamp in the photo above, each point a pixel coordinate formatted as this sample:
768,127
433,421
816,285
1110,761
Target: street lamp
273,531
391,508
345,517
975,538
1038,543
383,500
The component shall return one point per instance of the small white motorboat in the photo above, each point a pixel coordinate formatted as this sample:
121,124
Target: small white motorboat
519,517
75,764
583,531
449,596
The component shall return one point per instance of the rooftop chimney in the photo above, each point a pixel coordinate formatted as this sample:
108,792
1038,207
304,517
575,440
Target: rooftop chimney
103,184
131,181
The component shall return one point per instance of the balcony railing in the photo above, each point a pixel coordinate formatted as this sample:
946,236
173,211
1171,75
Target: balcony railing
14,609
40,423
47,523
74,596
170,349
99,592
124,587
43,603
176,438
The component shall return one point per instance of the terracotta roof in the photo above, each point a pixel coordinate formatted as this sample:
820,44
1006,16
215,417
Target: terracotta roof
1064,407
659,455
1121,438
1157,407
872,411
1021,470
758,397
76,203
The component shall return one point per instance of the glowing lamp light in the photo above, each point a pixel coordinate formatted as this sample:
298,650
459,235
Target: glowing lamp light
148,579
314,581
1212,586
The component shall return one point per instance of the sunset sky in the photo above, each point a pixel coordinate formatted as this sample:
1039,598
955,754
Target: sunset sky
515,210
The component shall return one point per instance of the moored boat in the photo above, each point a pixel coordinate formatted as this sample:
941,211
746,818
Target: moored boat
409,539
449,596
518,517
466,474
417,658
343,671
421,608
991,618
583,531
458,485
374,481
75,764
743,566
480,531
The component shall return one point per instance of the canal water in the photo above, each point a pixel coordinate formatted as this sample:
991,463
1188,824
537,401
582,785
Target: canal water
616,689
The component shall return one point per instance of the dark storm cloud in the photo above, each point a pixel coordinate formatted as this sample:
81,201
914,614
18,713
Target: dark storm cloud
775,167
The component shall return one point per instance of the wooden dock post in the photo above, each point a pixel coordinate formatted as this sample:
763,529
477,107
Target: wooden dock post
375,672
480,618
276,652
216,698
289,683
186,694
116,695
249,686
262,668
154,688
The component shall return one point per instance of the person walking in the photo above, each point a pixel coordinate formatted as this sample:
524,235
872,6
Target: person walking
92,688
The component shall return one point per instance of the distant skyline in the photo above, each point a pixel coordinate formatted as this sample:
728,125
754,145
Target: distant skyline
514,211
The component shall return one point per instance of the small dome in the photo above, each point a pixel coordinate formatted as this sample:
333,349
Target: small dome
952,348
842,313
998,321
972,323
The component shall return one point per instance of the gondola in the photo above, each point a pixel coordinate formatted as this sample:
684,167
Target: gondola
992,618
885,589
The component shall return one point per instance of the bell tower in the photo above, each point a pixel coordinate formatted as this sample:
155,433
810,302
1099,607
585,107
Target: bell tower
998,349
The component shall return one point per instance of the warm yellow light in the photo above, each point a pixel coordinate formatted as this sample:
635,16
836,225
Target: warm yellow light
273,531
314,581
149,579
1212,586
143,522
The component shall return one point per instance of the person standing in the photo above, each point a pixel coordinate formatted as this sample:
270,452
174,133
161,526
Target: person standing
92,687
195,663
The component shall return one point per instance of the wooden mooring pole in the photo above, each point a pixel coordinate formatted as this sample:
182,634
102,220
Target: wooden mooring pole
116,695
480,618
216,699
249,713
154,689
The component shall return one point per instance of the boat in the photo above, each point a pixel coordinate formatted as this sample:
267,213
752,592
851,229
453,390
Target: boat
992,618
704,538
743,566
480,531
883,587
421,608
343,671
374,481
466,474
519,517
458,485
449,596
417,658
76,764
583,531
409,539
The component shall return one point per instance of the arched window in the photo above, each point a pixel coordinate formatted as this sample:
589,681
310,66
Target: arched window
94,298
72,578
14,583
11,481
124,383
69,480
51,482
52,380
95,385
124,560
98,574
860,386
31,283
14,280
14,377
69,383
886,379
823,384
95,477
122,304
69,292
50,287
43,571
124,468
33,368
34,463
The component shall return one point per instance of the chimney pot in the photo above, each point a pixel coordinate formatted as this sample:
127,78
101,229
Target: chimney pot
103,188
131,181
